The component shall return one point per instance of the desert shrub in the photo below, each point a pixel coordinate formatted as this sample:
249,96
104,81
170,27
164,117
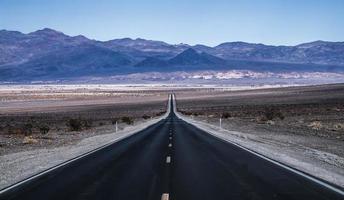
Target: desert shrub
74,124
186,112
338,126
226,115
44,129
271,114
113,121
127,120
145,117
15,130
29,140
159,114
281,116
27,129
87,124
316,125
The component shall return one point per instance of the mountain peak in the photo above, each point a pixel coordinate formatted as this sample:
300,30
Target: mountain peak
47,32
152,62
140,39
45,52
4,33
8,31
238,44
189,51
192,57
81,38
314,43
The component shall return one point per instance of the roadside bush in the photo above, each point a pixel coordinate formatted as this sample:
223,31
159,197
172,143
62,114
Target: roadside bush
44,129
186,112
78,124
281,116
15,130
27,129
29,140
146,117
127,120
87,124
113,121
271,114
74,124
226,115
338,126
316,125
159,114
195,114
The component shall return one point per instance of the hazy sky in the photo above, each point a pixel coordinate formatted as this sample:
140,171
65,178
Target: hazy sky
284,22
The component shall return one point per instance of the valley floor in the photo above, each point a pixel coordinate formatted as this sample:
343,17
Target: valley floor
43,126
300,126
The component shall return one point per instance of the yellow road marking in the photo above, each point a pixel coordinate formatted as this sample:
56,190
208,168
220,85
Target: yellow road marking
165,196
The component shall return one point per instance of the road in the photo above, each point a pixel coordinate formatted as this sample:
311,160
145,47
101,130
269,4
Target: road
170,160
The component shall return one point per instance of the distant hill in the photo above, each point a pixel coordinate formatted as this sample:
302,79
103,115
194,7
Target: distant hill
318,52
49,54
191,57
152,63
186,60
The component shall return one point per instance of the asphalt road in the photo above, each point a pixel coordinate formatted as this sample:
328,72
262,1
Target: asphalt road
175,159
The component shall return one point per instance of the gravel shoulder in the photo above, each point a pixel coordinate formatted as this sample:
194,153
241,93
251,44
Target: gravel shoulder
308,138
20,165
321,164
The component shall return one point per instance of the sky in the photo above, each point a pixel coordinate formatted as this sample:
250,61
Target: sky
209,22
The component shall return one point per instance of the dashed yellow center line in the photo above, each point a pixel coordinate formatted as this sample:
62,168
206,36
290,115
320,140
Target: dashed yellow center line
165,196
168,159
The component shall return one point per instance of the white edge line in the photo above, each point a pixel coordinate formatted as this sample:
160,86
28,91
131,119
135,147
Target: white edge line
318,181
165,196
63,164
78,157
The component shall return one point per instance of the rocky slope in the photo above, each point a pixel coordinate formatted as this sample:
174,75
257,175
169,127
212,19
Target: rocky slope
49,55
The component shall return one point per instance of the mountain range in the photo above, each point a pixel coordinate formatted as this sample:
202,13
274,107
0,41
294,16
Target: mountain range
48,54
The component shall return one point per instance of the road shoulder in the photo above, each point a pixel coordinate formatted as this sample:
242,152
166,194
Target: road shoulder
323,165
18,166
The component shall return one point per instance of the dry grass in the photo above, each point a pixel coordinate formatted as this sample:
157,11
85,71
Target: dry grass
29,140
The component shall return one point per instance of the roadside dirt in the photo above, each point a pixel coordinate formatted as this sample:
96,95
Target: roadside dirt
40,119
305,111
299,126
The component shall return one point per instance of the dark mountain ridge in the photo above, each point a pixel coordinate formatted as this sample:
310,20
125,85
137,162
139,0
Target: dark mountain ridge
52,54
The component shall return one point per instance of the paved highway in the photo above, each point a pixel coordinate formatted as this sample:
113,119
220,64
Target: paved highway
171,160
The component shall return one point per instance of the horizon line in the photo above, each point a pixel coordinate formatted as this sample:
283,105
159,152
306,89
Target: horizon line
181,43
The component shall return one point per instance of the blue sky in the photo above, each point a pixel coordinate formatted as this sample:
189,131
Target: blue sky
210,22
